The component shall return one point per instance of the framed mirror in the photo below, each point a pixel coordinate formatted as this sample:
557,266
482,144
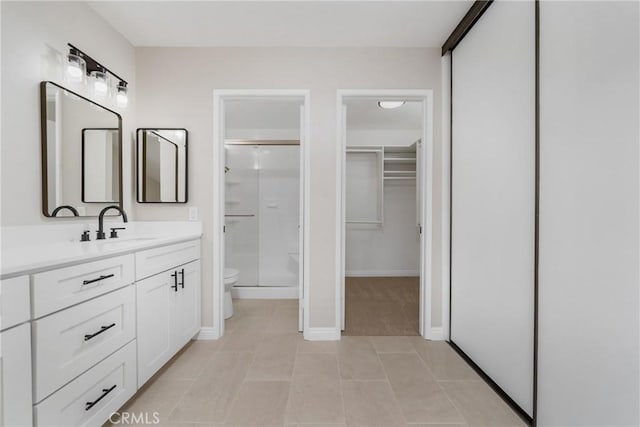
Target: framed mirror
81,154
162,165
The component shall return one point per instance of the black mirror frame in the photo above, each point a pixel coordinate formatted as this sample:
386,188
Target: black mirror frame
43,145
141,144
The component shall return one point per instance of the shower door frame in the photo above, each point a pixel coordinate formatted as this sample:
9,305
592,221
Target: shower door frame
218,164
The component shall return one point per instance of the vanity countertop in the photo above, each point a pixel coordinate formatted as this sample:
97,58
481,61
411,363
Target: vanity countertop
33,258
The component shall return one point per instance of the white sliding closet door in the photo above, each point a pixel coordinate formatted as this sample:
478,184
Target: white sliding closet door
493,196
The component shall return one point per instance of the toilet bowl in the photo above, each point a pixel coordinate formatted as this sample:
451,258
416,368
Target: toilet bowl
230,278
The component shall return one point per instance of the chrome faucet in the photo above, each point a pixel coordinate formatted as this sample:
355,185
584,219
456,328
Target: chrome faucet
100,233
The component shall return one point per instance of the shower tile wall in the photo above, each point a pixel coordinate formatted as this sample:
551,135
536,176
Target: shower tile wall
263,181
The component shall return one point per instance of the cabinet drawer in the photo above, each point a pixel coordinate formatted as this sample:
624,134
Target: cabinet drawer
14,301
56,289
108,385
156,260
69,342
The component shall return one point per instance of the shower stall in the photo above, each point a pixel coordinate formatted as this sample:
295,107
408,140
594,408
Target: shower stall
262,212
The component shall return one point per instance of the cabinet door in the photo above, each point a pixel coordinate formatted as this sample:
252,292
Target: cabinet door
187,322
15,376
155,313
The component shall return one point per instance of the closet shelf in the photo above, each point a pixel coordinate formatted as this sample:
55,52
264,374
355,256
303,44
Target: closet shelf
412,178
400,159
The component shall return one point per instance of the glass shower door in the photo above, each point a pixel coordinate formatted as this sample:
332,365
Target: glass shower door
241,212
262,214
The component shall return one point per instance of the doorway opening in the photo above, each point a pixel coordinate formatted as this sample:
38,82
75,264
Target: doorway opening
260,204
386,197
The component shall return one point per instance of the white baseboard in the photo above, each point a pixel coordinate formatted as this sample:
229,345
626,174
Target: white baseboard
382,273
435,334
265,292
207,333
322,334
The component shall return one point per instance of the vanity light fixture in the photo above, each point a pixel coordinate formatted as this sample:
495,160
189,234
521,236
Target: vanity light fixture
79,65
121,95
99,84
389,105
76,68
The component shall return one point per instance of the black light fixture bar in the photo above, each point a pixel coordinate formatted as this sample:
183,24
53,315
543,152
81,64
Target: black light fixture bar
93,65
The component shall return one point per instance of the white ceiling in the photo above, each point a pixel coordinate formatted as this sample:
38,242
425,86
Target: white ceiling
366,114
284,23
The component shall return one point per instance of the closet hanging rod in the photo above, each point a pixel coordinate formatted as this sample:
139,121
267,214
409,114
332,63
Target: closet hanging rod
262,142
240,215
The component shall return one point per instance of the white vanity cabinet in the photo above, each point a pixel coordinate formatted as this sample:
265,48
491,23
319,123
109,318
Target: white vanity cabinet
78,340
168,304
15,353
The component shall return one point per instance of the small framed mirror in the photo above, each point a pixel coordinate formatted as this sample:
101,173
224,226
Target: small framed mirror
162,165
81,154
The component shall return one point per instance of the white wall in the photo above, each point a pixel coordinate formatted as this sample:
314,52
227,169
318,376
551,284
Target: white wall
588,304
393,248
182,96
33,36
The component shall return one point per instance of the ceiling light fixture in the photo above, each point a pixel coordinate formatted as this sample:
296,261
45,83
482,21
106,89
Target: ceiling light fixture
389,105
79,65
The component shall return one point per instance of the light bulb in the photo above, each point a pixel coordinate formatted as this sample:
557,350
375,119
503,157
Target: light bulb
76,68
121,95
100,84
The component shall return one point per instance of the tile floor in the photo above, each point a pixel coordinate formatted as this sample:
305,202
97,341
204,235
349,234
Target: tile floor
263,373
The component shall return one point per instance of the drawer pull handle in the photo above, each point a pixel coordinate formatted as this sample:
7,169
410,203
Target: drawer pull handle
105,391
106,276
102,329
175,281
182,274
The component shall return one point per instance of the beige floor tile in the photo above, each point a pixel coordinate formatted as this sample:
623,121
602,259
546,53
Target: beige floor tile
315,400
190,362
358,360
479,404
254,307
284,320
316,365
235,324
241,341
210,397
260,403
274,357
317,347
443,362
418,394
315,425
392,344
156,400
370,403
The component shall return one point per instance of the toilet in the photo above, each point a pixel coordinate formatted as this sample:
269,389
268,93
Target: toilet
230,278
